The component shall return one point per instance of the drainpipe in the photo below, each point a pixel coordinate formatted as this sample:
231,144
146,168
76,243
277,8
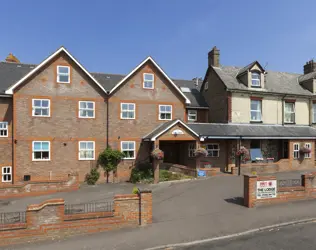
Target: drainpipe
239,162
107,122
310,111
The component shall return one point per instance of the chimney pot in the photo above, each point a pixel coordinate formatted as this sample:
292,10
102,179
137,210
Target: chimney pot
213,57
309,67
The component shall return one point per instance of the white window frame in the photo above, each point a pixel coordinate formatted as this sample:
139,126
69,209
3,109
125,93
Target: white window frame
293,103
63,74
210,151
128,111
40,107
308,155
79,150
86,109
159,113
33,151
256,80
152,81
257,110
191,149
192,113
5,173
314,112
134,150
296,150
4,129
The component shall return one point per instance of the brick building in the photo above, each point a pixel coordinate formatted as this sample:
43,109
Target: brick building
57,117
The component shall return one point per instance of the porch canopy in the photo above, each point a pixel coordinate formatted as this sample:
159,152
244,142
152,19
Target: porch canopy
251,131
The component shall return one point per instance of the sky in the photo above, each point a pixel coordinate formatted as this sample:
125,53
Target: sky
114,36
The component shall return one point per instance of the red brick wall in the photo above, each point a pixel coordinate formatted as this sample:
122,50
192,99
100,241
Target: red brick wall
284,194
63,129
146,101
48,220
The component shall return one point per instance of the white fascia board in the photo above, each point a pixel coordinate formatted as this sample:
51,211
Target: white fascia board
171,125
187,101
43,63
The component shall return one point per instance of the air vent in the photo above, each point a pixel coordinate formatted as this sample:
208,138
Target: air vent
27,177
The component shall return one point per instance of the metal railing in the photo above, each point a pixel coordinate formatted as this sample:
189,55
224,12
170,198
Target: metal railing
88,207
290,183
12,217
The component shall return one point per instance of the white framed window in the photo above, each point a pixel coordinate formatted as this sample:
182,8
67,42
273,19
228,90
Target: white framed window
191,149
296,150
63,74
41,150
86,150
255,79
289,112
127,110
192,115
255,110
41,107
309,146
148,81
165,112
3,129
6,174
212,149
86,109
128,149
314,112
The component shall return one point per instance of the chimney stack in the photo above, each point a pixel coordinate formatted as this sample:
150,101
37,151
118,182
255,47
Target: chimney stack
213,57
309,67
12,59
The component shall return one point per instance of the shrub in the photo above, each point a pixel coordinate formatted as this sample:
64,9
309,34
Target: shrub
142,172
164,175
92,177
135,190
109,159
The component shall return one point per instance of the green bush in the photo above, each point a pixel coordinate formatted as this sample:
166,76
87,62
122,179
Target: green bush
135,190
93,176
165,175
142,172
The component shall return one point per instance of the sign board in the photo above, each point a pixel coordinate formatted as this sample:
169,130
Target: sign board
201,173
266,189
177,132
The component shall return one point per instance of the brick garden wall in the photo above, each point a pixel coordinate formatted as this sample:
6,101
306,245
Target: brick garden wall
35,188
48,219
284,194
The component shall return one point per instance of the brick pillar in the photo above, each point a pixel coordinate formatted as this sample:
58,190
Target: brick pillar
308,182
48,212
127,207
250,186
146,212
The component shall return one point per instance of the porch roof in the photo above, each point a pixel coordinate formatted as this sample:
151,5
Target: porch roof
165,127
252,131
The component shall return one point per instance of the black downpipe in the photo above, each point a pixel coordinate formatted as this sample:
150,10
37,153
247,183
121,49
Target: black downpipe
107,122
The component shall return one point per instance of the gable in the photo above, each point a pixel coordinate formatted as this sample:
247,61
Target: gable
156,68
177,133
46,62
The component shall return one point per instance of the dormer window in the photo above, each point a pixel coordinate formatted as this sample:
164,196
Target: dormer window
255,79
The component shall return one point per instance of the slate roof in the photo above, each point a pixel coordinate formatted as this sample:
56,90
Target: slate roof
10,73
275,82
252,130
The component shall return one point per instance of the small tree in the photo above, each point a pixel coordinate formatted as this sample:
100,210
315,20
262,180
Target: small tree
109,159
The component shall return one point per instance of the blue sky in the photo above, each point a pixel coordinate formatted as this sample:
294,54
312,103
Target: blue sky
114,36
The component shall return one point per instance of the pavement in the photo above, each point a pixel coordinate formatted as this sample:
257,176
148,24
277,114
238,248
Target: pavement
301,236
182,212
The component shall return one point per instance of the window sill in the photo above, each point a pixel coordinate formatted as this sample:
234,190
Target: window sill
289,123
129,158
255,87
87,159
256,121
86,117
128,118
40,160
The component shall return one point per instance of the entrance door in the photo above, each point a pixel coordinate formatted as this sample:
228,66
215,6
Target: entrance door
285,149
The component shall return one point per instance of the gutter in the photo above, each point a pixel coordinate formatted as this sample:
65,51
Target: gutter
265,92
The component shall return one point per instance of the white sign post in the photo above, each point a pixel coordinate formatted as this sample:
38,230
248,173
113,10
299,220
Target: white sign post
266,189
